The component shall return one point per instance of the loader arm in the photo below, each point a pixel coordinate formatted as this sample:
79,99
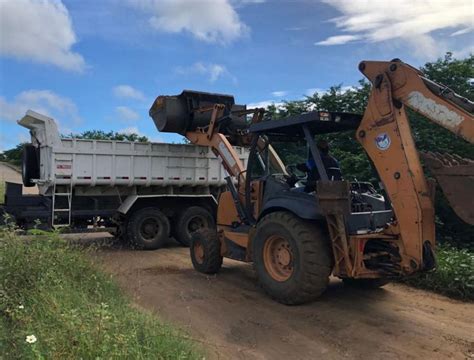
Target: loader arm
386,136
222,148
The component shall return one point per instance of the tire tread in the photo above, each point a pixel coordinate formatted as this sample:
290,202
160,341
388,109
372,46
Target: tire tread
212,251
316,259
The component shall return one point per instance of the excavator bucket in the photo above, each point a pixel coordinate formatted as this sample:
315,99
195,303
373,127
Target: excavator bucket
455,176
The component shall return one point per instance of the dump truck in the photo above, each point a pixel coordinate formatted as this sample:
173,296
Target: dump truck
142,192
297,236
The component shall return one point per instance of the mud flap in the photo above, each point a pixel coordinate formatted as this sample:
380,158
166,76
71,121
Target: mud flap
455,176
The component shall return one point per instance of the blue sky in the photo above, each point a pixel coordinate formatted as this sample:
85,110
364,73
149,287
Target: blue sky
100,64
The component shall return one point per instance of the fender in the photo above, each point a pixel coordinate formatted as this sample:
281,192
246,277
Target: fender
303,205
131,200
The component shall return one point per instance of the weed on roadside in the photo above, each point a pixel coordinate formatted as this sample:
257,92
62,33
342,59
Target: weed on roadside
55,304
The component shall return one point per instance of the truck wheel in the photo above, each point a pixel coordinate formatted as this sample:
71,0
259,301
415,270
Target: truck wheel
148,229
292,258
365,283
190,220
205,250
29,165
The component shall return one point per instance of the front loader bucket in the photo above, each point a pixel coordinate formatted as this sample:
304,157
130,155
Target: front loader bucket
455,176
182,113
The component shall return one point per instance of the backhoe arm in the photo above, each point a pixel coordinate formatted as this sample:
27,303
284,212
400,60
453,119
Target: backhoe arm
386,136
435,101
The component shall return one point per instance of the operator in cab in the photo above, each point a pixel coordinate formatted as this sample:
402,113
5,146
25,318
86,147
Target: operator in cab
330,164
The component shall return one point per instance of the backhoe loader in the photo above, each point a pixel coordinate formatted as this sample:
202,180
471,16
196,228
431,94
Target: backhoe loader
296,238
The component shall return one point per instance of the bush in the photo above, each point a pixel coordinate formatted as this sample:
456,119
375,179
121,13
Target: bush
454,275
14,155
55,304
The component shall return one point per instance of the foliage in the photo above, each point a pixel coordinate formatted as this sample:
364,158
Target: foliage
13,155
457,74
454,275
55,305
108,135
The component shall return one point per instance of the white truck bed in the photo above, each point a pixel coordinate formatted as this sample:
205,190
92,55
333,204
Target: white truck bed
84,163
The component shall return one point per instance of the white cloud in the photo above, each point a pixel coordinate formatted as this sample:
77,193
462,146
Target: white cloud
296,28
338,40
212,71
126,114
279,93
127,91
408,20
312,91
130,130
462,31
321,92
238,2
264,104
134,130
464,52
40,31
46,102
207,20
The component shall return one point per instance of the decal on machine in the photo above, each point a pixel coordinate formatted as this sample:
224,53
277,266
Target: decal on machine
226,155
383,141
439,113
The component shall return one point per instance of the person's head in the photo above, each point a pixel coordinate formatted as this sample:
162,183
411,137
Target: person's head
323,146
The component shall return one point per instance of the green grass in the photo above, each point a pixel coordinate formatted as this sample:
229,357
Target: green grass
2,192
454,274
50,289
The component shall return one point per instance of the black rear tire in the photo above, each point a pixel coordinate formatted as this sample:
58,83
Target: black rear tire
365,283
309,257
190,220
148,229
205,250
29,165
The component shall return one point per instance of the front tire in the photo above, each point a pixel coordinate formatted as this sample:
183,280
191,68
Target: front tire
205,250
292,258
148,229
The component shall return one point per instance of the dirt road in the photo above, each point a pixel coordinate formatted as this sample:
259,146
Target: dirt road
235,320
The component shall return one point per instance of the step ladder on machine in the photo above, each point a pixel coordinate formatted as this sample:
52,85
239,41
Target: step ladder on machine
58,218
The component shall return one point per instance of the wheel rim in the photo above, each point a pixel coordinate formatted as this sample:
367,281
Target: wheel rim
196,223
278,258
149,228
198,250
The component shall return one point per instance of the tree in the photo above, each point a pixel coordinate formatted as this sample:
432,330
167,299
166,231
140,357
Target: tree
110,135
14,155
458,75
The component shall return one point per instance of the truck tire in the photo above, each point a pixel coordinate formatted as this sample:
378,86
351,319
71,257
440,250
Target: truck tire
148,229
190,220
365,283
29,165
292,258
205,250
